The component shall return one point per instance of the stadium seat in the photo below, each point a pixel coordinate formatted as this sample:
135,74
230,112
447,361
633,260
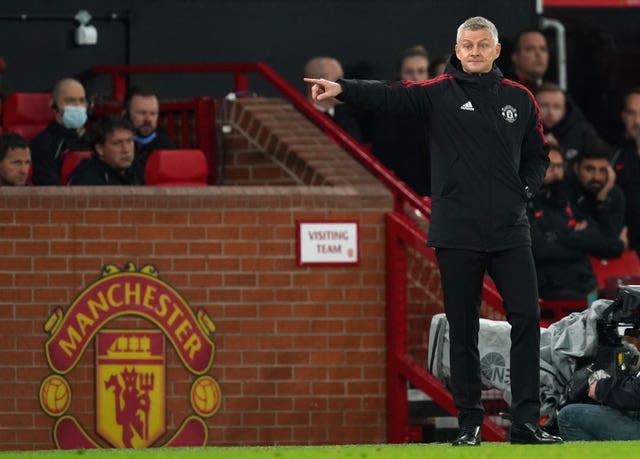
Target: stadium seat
70,162
553,310
176,168
616,271
27,113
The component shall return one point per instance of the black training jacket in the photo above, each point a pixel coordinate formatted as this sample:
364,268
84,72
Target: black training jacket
488,154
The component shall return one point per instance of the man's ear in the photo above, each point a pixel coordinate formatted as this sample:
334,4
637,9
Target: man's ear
99,149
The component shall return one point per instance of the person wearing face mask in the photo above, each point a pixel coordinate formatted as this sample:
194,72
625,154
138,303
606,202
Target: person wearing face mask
142,109
65,133
112,162
561,237
626,163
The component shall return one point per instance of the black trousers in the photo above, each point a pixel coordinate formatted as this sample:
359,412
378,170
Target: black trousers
513,272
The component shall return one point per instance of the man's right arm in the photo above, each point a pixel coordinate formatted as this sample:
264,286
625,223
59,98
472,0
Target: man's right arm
381,97
376,96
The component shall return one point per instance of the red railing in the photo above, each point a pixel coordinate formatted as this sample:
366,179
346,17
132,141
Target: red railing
402,233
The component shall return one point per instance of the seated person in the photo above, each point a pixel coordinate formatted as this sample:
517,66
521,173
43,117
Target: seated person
401,144
69,102
15,159
343,115
561,239
565,122
530,58
112,162
142,109
616,417
593,191
626,163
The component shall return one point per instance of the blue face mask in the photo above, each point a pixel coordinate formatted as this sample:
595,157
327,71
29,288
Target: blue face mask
74,116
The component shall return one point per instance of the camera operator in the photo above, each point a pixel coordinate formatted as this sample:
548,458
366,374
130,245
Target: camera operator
615,416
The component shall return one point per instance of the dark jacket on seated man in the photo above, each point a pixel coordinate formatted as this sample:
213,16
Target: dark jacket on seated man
113,160
608,215
48,150
561,245
94,171
626,163
158,140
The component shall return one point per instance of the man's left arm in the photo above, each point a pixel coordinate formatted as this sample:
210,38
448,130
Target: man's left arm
534,155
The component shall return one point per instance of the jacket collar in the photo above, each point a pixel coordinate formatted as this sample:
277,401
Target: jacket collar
454,68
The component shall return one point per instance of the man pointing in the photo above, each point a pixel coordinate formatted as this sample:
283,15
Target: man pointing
488,158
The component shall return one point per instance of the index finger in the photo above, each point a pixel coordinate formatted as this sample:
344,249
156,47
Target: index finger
313,80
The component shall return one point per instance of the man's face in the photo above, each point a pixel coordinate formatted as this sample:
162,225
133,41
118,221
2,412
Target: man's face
117,150
143,113
532,57
477,50
555,171
14,168
552,107
414,68
592,173
631,116
69,93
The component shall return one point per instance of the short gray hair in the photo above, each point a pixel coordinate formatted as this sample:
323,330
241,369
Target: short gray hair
478,23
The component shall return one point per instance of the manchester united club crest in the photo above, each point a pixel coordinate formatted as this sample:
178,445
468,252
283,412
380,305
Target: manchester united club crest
130,365
130,387
509,113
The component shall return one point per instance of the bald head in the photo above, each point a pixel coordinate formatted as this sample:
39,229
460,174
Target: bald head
323,67
67,92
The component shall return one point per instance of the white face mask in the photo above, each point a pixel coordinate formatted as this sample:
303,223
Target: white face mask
74,116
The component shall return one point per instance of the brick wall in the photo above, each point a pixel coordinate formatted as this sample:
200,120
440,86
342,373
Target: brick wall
300,351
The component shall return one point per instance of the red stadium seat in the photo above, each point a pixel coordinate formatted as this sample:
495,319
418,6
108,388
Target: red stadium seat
613,272
27,113
70,162
553,310
176,168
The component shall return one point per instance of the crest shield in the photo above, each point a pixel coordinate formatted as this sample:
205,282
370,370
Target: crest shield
130,387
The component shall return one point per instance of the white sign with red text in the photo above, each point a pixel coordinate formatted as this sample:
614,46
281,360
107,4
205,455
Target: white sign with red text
328,243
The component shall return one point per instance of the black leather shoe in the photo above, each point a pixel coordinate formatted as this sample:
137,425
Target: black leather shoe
468,436
531,433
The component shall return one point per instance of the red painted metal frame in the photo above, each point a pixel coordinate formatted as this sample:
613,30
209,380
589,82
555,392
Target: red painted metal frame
401,233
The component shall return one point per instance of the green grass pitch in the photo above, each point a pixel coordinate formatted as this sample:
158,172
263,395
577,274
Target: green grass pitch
571,450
